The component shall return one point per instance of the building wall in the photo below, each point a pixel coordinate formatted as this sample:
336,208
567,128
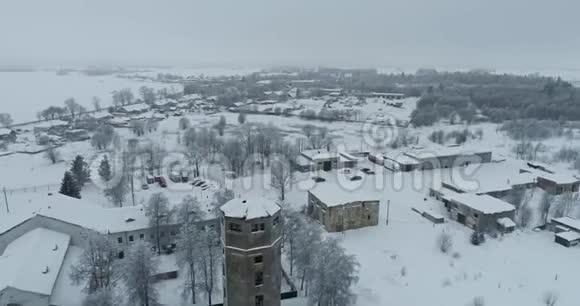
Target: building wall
554,188
24,298
477,220
434,162
344,217
240,250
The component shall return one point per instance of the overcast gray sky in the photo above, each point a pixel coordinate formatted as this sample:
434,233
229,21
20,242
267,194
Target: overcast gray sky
459,33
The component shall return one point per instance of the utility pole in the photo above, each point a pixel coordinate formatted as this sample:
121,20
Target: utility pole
388,208
6,201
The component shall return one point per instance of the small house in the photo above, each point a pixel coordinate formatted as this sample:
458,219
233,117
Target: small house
7,135
340,210
134,109
482,213
567,231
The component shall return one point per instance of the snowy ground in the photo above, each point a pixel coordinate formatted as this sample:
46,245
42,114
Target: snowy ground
24,94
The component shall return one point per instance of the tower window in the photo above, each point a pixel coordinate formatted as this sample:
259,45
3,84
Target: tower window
234,227
131,238
259,300
259,278
121,255
258,259
120,240
258,227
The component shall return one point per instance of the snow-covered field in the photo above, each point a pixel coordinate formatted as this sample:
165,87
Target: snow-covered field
24,94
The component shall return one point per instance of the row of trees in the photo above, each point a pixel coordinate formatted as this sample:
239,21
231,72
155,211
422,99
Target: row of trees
326,273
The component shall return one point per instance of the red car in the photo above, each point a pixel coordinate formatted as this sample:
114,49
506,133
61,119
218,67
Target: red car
162,182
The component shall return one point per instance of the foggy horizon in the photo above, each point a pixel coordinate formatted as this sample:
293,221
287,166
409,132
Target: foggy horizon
451,34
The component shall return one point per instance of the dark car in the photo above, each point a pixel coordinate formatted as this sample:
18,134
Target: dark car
162,182
199,183
367,171
356,178
318,179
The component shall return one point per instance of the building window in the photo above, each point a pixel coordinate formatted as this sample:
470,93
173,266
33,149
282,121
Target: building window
259,278
121,255
259,300
476,215
162,234
141,236
258,259
130,238
276,220
234,227
257,227
173,233
369,217
120,240
151,237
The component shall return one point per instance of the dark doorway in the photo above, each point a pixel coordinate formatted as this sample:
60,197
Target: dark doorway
461,218
327,166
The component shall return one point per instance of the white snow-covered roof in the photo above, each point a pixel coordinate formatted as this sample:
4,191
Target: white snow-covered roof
78,212
335,195
32,262
401,158
139,107
443,151
51,123
483,203
506,222
164,102
319,154
569,222
5,131
569,236
250,208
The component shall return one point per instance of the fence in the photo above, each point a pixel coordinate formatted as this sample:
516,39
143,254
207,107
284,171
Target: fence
39,188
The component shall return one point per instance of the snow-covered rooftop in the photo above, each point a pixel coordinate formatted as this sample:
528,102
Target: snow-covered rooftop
483,203
139,107
569,222
443,151
5,131
506,222
569,236
319,154
335,195
249,208
32,262
51,123
78,212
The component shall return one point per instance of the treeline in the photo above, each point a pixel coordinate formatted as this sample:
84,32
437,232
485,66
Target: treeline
533,97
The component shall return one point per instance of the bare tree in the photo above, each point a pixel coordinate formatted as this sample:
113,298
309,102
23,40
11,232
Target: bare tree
103,137
242,118
147,94
444,242
117,192
5,119
234,154
189,214
478,301
157,210
545,205
281,177
293,224
73,107
208,261
96,103
221,125
138,127
138,267
333,276
307,243
525,216
565,205
184,123
102,297
96,267
550,298
52,154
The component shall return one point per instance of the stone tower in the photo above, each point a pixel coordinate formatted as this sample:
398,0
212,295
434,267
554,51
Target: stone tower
251,238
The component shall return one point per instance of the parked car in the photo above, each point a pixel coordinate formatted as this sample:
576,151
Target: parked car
318,179
144,186
201,182
367,171
162,182
175,177
150,179
356,178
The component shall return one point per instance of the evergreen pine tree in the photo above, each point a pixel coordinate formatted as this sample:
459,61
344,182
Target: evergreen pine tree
105,170
69,186
80,170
